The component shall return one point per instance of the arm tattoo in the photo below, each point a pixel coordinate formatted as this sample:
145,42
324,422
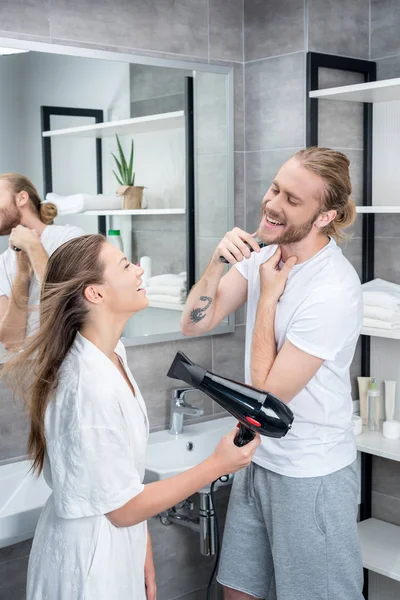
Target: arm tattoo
197,314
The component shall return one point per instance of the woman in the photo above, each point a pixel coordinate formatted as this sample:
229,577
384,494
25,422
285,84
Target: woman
89,431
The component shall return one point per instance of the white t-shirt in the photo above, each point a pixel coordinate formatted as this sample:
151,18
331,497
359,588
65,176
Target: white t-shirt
320,312
52,237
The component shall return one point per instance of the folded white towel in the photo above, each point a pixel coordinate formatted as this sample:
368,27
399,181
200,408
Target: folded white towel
376,323
382,314
165,299
77,203
168,290
379,292
168,279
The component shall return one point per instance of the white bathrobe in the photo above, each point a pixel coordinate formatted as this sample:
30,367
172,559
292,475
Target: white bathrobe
96,433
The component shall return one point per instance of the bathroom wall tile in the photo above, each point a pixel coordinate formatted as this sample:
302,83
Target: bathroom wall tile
155,82
352,250
385,508
273,28
179,26
13,426
239,190
387,226
16,551
29,17
387,259
355,230
275,103
348,31
210,113
386,68
386,477
238,91
150,364
226,29
241,316
340,124
212,204
167,259
155,223
261,168
385,23
228,354
13,579
382,588
157,106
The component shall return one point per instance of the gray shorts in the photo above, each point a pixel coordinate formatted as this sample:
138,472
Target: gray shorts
289,538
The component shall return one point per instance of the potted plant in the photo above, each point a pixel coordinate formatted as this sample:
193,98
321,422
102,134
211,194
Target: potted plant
132,194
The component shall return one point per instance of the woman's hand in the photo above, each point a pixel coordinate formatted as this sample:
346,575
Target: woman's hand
231,458
149,572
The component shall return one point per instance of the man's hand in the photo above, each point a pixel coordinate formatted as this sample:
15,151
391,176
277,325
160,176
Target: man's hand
23,238
233,247
273,280
24,267
149,572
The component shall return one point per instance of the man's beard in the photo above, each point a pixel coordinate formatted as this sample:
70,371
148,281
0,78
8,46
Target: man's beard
292,234
9,218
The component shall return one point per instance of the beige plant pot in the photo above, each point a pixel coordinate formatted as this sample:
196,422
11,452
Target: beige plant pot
132,197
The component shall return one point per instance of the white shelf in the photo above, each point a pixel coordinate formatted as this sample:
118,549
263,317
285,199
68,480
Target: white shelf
380,547
145,211
391,334
376,91
373,442
148,124
167,306
379,209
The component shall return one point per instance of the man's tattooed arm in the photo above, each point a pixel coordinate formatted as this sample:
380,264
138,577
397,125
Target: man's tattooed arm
197,314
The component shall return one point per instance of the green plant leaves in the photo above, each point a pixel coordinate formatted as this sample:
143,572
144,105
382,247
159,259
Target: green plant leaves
126,174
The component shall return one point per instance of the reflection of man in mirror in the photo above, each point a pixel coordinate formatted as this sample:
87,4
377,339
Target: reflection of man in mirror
32,239
291,526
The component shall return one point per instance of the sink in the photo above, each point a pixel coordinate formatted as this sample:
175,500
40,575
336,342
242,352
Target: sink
168,455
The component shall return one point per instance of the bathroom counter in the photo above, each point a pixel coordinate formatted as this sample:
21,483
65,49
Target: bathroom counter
373,442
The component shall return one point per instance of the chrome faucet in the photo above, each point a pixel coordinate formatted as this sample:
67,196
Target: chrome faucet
179,408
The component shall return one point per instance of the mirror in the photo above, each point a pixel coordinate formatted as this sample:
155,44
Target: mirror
63,112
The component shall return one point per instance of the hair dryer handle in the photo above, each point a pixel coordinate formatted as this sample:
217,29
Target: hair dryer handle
244,435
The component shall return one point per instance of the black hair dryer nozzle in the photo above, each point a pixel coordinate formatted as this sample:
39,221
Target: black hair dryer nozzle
256,410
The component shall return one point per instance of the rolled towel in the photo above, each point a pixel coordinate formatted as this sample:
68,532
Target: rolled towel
77,203
164,299
382,314
381,286
377,324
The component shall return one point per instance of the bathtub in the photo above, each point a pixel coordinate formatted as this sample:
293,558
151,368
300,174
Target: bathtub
22,496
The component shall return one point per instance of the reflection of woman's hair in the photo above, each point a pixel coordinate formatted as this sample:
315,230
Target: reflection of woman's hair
47,211
32,374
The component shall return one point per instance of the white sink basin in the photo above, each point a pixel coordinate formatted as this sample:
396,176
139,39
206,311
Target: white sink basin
168,455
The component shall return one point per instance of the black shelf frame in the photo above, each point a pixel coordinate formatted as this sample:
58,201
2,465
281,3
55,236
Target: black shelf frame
367,68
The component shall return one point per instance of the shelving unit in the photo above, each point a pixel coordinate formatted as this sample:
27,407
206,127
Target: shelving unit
133,213
391,334
374,91
378,209
148,124
380,541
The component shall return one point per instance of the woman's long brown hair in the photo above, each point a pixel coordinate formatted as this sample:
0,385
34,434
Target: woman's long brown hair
32,373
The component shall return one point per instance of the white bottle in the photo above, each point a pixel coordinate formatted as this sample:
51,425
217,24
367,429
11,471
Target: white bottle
374,406
114,238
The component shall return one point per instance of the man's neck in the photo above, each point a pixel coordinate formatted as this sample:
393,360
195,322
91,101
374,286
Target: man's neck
305,249
32,222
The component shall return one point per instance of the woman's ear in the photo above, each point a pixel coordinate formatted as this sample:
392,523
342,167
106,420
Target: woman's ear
325,218
93,294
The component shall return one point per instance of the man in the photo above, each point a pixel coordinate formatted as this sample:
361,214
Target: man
25,219
291,530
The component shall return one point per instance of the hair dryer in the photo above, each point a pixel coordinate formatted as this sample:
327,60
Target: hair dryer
256,410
